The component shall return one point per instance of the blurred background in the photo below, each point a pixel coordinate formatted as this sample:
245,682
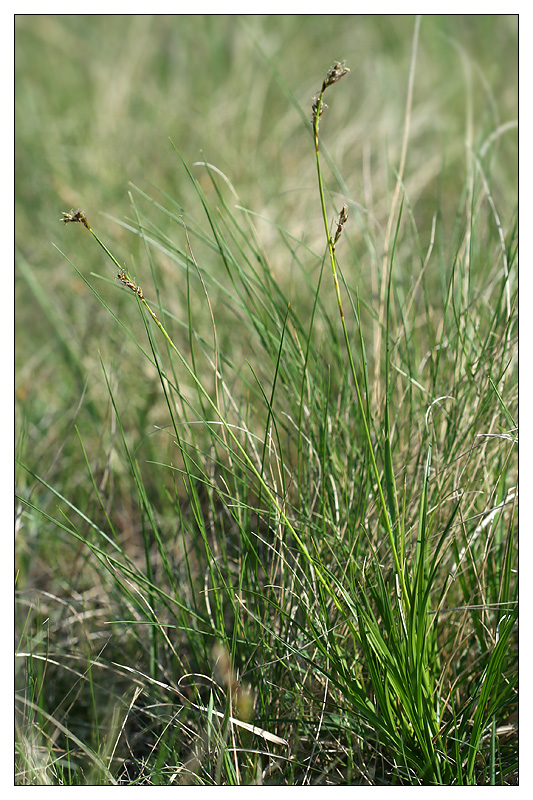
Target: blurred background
97,100
98,97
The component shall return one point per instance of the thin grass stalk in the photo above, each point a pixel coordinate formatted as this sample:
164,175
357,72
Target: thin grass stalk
335,74
243,456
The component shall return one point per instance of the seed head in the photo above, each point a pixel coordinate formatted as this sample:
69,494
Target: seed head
343,217
334,74
318,106
74,216
122,276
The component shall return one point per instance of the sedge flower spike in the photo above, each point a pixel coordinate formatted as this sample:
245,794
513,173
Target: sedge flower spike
334,74
74,216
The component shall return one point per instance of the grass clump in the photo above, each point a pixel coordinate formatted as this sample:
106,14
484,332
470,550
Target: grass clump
303,569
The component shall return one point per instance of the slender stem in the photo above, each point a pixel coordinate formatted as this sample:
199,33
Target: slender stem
127,281
318,109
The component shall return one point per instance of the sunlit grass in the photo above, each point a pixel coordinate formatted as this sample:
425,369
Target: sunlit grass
274,541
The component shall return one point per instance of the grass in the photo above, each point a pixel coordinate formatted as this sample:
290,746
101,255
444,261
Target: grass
267,527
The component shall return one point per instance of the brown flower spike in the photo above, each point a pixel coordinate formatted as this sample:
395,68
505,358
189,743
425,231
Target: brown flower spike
122,276
75,216
343,217
334,74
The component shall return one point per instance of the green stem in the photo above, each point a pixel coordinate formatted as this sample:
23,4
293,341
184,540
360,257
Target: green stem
318,108
123,274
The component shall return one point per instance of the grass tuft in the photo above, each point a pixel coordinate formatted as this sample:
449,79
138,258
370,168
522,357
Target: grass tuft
277,543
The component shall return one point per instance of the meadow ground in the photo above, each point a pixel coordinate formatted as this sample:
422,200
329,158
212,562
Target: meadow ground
266,400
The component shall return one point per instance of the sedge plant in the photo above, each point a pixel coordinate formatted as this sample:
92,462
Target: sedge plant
302,606
396,635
